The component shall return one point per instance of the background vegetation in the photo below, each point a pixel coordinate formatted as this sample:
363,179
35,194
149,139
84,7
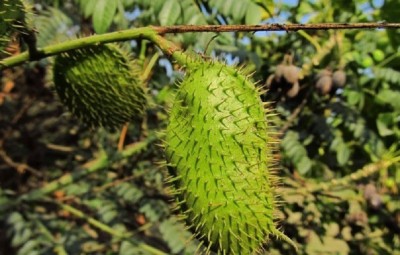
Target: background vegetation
67,189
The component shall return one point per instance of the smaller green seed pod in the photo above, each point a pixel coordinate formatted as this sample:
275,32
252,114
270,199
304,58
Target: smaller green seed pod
12,13
100,85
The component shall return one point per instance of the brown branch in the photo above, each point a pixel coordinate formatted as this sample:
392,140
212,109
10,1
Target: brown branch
153,33
122,137
273,27
20,167
293,116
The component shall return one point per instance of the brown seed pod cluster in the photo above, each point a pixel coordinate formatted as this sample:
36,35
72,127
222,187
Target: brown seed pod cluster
285,78
326,80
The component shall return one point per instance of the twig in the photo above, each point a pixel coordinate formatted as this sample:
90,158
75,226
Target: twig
272,27
61,148
364,172
150,32
293,116
20,167
115,183
122,137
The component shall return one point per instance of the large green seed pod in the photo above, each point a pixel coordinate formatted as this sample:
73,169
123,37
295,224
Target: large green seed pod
100,85
219,149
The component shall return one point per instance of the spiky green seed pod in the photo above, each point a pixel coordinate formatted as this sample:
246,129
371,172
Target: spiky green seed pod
12,19
219,148
100,84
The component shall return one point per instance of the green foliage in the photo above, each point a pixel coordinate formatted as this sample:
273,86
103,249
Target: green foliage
53,26
65,189
101,11
174,234
296,152
239,12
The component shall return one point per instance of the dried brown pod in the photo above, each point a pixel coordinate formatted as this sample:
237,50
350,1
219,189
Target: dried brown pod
291,74
324,72
279,71
324,84
339,78
372,196
294,90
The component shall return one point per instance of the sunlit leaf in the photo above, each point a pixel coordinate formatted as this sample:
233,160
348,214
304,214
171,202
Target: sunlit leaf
103,15
384,123
253,14
170,12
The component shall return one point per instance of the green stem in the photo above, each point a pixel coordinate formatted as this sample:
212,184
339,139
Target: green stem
362,173
169,48
150,66
149,33
92,221
124,35
107,229
388,59
312,40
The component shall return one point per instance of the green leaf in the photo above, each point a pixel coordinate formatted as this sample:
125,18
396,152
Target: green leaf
89,7
154,210
343,153
383,123
169,13
108,212
326,245
175,235
239,9
103,15
28,247
253,14
128,248
304,165
129,192
52,26
390,97
21,237
353,97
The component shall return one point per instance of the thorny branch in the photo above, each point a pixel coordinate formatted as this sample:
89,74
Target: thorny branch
272,27
150,32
